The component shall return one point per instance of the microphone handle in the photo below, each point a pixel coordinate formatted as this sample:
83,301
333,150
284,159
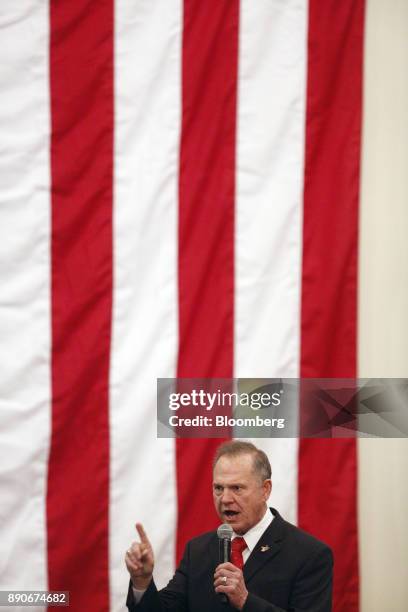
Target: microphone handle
225,557
227,550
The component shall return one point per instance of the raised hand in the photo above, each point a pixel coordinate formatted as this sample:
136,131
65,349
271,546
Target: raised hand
139,560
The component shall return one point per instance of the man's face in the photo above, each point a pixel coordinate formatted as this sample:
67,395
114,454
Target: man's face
239,494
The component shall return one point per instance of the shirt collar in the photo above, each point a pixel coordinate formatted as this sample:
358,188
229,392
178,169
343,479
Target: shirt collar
252,536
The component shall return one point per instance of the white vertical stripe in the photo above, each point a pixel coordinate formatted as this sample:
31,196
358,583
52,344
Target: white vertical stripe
383,256
383,300
283,456
270,146
147,129
25,294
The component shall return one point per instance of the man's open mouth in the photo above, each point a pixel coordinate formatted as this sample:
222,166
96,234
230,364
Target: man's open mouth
230,513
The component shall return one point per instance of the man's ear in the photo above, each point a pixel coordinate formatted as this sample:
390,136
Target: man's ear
267,487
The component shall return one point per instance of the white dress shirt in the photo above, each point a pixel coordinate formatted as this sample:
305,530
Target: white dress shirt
253,535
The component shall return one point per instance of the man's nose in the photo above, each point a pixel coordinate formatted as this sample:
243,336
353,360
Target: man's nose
227,497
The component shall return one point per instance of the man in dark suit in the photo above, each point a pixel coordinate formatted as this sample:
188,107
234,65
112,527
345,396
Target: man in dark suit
275,566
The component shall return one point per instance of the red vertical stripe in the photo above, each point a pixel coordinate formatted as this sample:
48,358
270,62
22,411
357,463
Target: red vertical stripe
327,468
81,57
206,231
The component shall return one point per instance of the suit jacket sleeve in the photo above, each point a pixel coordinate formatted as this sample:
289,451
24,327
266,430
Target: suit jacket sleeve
312,588
170,599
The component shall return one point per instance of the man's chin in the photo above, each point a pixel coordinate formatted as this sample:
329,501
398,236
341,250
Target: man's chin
237,525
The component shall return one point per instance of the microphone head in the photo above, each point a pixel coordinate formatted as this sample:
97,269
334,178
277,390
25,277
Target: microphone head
224,532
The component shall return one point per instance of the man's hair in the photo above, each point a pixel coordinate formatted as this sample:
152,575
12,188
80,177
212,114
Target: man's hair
261,464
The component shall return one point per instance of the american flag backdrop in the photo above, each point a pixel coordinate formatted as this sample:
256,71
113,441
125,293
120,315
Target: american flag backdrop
181,191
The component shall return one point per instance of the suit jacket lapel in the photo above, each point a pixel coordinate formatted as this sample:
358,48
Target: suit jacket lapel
268,545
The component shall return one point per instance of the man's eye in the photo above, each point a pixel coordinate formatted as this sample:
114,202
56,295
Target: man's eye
217,489
236,488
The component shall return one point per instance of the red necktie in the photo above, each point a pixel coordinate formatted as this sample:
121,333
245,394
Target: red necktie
238,545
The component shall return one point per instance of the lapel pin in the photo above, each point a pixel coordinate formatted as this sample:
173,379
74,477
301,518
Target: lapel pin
264,548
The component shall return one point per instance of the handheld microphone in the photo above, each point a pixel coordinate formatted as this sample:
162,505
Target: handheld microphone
224,533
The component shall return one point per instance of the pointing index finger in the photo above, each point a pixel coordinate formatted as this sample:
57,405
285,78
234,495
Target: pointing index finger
142,534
